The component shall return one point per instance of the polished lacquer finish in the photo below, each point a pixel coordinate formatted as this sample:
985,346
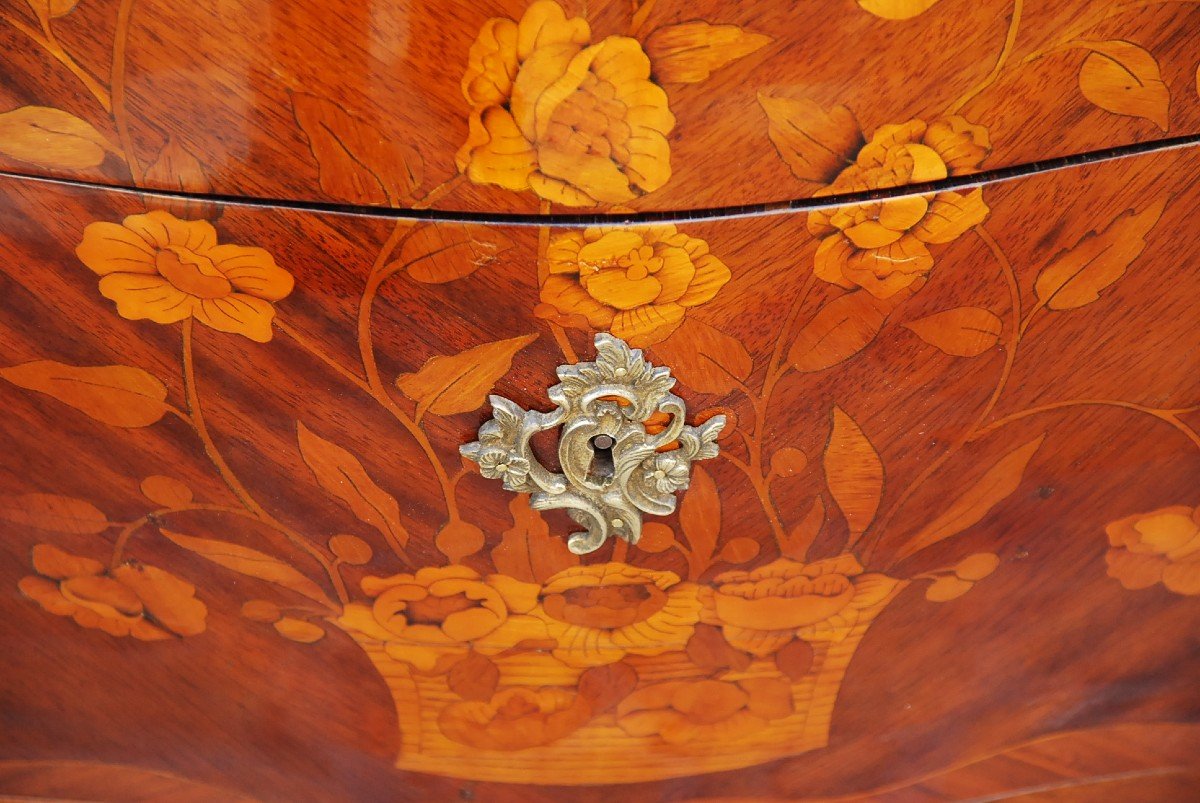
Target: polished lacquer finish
281,483
508,106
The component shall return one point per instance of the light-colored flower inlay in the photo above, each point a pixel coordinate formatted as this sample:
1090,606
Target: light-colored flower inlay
444,611
683,711
579,124
762,609
598,614
635,283
882,246
160,268
131,600
1162,546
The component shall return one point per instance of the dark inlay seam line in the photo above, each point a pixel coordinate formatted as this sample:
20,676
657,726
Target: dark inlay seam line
682,216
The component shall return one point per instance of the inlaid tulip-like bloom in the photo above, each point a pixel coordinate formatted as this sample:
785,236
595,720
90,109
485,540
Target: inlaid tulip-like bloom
575,122
444,611
636,283
131,600
160,268
1158,547
762,609
598,614
883,246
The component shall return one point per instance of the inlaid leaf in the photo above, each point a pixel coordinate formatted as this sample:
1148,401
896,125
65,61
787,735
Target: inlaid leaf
853,472
896,9
120,395
1076,276
704,358
969,509
976,567
441,252
788,462
840,329
527,550
700,519
60,514
299,630
1122,78
355,162
740,550
343,476
51,138
475,677
177,170
459,539
947,588
350,549
961,332
815,143
802,536
688,53
52,9
249,562
166,491
261,610
461,383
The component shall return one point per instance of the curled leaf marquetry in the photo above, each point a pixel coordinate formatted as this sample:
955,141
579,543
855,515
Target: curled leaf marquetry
960,430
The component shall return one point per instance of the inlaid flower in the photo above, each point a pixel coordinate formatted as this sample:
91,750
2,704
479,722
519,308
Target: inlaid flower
1162,546
160,268
683,711
600,613
635,283
132,599
762,609
514,719
499,464
442,611
666,472
576,122
882,246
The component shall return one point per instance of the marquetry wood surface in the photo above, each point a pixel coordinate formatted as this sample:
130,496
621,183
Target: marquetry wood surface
976,471
688,105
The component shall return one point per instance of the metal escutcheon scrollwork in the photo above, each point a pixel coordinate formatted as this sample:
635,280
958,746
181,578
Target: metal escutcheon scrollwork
612,469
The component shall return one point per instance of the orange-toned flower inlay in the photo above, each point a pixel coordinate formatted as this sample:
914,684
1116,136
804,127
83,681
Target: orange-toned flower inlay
577,123
514,719
762,609
882,246
158,267
1162,546
636,283
444,610
131,600
598,614
682,711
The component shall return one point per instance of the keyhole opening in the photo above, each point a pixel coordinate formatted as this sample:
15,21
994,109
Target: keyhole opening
601,470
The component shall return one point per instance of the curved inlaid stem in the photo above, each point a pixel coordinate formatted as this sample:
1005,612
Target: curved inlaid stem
117,85
1168,416
49,42
380,271
1009,40
130,529
880,526
195,416
777,368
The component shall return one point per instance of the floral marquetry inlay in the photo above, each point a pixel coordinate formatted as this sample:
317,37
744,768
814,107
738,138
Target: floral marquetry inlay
807,430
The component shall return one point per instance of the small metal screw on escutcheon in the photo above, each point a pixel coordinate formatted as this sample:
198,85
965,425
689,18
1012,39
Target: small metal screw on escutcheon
612,469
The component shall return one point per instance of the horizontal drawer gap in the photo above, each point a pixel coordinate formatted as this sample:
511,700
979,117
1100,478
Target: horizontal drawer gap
575,220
